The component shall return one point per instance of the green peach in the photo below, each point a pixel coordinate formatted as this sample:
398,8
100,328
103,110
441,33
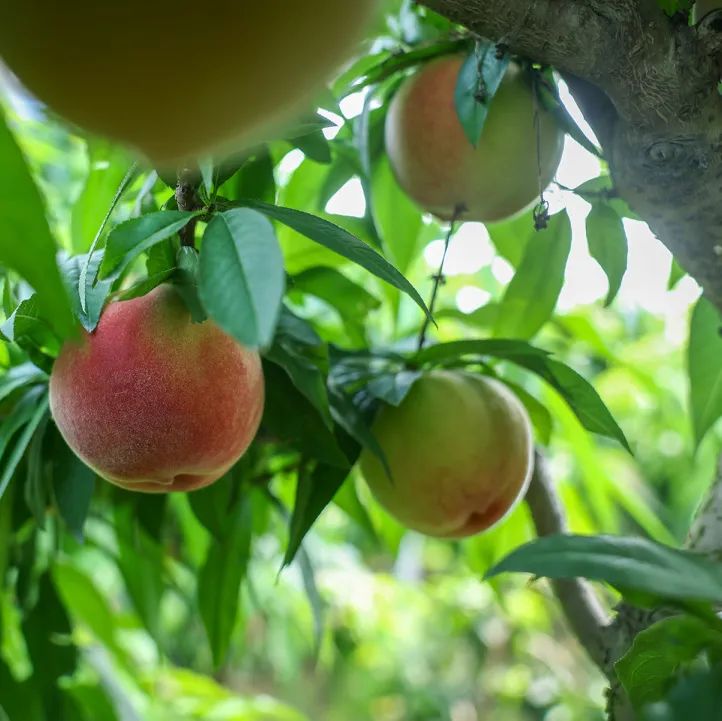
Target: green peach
460,451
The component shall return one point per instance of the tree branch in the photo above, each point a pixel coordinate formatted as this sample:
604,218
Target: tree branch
660,124
579,603
706,533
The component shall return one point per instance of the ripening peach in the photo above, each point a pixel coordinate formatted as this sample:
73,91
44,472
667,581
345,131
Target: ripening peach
439,168
460,451
178,78
153,401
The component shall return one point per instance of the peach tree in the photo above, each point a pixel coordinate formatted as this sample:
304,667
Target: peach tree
255,251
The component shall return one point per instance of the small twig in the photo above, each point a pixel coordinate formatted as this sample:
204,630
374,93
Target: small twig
580,605
439,277
187,199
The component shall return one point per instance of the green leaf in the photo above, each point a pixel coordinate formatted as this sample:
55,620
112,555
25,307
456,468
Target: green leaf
89,701
30,413
676,273
314,598
307,125
513,350
539,414
28,329
352,301
301,361
512,237
254,179
25,374
129,239
36,488
220,580
697,696
354,419
608,245
579,394
141,562
211,505
241,275
314,491
109,164
601,188
20,700
342,242
186,281
393,387
148,284
705,370
387,65
73,484
479,78
162,257
314,146
208,172
291,418
26,244
637,564
309,581
86,604
348,501
657,653
88,301
532,294
127,181
6,535
398,219
546,88
43,627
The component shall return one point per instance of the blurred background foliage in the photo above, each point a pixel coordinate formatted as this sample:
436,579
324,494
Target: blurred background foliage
369,623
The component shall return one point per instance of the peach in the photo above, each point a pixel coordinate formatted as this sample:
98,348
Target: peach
439,168
178,78
460,451
153,401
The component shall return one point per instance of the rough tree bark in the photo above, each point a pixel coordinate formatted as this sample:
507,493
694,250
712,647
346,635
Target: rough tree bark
581,607
647,84
649,91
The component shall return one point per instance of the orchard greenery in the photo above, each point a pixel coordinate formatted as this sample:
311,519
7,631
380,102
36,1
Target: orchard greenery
284,591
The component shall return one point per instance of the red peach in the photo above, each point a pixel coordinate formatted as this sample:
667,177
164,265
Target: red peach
155,402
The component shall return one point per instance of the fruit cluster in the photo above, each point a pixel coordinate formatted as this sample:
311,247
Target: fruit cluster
155,402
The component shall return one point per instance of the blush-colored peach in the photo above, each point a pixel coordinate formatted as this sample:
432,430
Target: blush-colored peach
155,402
439,168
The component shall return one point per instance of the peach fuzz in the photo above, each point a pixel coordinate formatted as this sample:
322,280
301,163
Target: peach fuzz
154,402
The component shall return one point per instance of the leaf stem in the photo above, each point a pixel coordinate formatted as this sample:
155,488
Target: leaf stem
439,277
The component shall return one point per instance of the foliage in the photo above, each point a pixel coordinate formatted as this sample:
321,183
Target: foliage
127,607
